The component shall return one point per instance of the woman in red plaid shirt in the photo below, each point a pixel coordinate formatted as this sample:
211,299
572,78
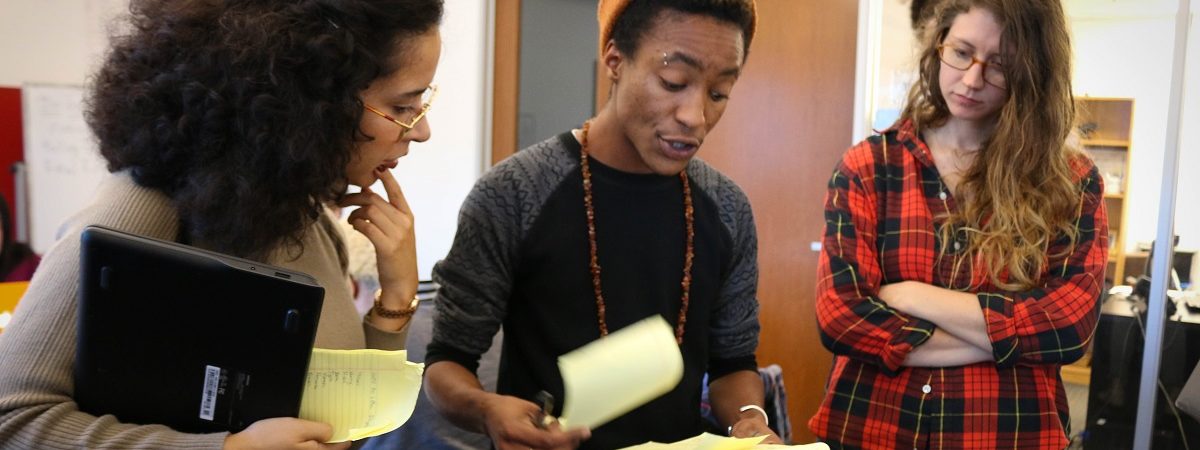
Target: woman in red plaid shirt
964,247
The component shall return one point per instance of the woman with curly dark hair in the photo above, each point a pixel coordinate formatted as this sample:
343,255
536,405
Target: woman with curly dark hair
234,125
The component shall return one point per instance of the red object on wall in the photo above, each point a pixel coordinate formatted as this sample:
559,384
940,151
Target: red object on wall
12,143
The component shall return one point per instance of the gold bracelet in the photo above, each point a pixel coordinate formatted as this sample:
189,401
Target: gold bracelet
380,311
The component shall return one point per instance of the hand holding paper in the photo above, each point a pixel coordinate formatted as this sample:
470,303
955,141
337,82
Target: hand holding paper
620,372
360,393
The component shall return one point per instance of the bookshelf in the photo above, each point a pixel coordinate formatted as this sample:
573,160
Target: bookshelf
1103,127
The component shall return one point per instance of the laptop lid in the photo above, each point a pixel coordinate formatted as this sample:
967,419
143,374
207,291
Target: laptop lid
192,339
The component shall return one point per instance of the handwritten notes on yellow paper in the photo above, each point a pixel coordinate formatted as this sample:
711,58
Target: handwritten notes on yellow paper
620,372
361,393
708,441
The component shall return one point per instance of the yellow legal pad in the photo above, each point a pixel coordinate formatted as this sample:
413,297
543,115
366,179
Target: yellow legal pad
360,393
10,294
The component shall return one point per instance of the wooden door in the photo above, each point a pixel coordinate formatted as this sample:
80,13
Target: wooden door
788,122
506,78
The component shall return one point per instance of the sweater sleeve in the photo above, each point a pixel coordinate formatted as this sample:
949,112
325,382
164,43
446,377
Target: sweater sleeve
476,277
38,348
734,327
382,339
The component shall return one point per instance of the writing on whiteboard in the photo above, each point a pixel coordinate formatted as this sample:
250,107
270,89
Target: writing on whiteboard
61,156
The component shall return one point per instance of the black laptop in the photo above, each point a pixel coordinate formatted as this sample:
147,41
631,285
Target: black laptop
195,340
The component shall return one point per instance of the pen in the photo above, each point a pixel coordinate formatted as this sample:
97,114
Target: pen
546,415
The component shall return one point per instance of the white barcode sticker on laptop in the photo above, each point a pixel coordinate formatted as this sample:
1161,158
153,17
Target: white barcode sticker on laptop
208,399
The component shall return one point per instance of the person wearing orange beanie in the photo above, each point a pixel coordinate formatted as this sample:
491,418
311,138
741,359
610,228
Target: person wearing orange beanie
602,226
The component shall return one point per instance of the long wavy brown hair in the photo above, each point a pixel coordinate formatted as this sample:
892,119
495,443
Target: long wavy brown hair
1021,191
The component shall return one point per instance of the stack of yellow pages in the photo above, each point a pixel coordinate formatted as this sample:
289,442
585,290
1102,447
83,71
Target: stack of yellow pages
713,442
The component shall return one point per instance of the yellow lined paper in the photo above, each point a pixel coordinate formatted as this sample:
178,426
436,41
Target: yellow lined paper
620,372
360,393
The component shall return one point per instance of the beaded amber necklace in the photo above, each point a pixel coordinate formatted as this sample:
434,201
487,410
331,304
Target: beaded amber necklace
689,219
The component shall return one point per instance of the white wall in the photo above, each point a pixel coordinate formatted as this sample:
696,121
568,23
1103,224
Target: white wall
1123,48
438,174
53,41
897,62
63,41
885,67
1110,64
1187,202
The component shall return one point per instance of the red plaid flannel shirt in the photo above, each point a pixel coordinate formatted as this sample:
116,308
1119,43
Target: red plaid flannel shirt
881,217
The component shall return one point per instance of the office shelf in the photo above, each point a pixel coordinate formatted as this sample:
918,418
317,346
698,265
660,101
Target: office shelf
1105,127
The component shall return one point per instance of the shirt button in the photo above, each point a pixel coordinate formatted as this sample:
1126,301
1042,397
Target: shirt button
927,389
957,246
942,195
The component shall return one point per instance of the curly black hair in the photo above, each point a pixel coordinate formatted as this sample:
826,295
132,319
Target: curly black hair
636,19
246,112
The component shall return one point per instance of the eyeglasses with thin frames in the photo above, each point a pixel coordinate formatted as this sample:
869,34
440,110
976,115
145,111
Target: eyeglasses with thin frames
962,59
406,126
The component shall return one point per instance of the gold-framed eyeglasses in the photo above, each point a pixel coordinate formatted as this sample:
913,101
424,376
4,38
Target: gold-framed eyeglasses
412,116
962,59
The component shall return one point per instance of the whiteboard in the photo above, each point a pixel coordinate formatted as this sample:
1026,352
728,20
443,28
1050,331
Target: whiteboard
62,161
64,165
